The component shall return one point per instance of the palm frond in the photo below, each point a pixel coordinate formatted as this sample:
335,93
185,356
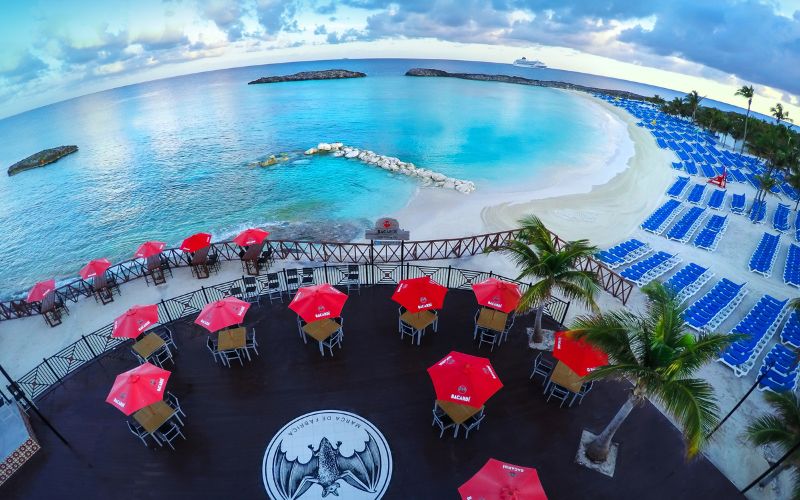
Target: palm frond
691,401
770,429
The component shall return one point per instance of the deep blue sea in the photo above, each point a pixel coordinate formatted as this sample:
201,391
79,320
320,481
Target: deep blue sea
164,159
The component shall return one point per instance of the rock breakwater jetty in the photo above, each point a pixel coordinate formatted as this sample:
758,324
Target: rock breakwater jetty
392,164
42,158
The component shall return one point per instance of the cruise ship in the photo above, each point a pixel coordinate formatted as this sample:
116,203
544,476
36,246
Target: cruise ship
525,63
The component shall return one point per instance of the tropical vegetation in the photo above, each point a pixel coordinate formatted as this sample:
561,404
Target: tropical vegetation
538,257
782,430
747,92
655,352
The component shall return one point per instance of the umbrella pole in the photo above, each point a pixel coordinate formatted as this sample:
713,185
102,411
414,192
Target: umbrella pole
34,408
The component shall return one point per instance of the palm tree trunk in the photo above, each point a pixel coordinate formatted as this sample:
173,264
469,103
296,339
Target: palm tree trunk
772,475
597,450
538,336
744,137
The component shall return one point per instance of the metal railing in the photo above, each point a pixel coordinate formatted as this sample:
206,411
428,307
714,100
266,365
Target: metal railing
327,252
54,369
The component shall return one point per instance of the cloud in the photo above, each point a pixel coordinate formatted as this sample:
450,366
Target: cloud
321,30
226,15
351,35
27,67
277,15
326,9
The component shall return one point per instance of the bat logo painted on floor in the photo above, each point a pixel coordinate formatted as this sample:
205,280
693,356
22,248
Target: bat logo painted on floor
327,454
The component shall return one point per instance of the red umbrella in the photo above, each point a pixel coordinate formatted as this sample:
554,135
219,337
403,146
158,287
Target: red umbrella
317,302
226,312
149,248
41,289
501,481
137,388
196,242
251,237
417,294
497,294
95,268
464,379
135,321
580,356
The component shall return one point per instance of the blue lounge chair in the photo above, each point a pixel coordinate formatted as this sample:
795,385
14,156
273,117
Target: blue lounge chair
764,256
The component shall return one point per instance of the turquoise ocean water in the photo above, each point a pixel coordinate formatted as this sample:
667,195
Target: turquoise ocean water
164,159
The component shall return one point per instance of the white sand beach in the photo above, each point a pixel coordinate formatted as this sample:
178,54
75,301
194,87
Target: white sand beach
603,201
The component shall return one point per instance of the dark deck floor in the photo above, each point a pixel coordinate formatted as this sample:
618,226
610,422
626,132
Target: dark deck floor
233,414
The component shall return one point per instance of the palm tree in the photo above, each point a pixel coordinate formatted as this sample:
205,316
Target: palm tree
781,429
779,114
746,92
693,100
793,179
656,352
535,253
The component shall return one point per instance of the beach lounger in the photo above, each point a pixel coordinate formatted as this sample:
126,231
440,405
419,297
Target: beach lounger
759,326
780,219
652,267
624,253
716,199
660,219
780,370
690,168
708,238
738,202
791,270
661,143
683,229
758,211
763,257
707,312
688,281
678,186
707,170
790,191
696,194
791,330
681,154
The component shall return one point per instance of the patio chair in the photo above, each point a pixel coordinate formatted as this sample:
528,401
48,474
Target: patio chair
333,340
235,291
585,388
307,276
230,355
300,324
166,335
169,432
473,422
214,263
489,337
352,279
251,290
251,343
509,323
139,359
407,330
161,356
274,287
559,392
292,281
172,402
138,431
442,420
212,348
541,367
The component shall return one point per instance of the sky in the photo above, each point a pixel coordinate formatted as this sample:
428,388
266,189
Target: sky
58,49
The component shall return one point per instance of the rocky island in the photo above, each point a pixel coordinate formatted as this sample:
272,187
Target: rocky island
523,81
328,74
41,159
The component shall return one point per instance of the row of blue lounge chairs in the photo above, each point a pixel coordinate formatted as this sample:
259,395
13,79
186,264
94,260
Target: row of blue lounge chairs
758,211
791,271
779,370
687,281
708,238
763,257
624,253
707,312
660,219
757,329
780,219
652,267
683,229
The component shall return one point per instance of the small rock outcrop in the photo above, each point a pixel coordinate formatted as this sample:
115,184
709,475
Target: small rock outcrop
41,159
521,81
392,164
328,74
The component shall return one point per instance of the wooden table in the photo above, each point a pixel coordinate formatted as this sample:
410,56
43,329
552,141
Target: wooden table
457,412
101,289
199,263
321,329
419,321
154,416
154,270
149,344
250,259
50,310
492,319
233,338
566,378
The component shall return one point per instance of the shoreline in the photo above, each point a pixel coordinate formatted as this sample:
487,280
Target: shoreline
603,201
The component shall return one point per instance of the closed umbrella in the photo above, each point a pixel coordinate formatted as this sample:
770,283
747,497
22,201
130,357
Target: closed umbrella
503,481
419,294
41,289
95,268
135,320
222,313
313,303
580,356
137,388
250,237
464,379
149,248
196,242
497,294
